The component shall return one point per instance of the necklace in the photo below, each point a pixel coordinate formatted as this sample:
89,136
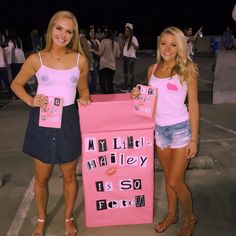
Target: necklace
55,57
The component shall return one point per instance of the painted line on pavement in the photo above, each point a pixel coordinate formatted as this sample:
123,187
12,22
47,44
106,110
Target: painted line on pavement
218,126
22,211
206,81
219,140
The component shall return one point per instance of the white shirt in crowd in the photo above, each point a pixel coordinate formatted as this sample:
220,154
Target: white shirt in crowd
132,51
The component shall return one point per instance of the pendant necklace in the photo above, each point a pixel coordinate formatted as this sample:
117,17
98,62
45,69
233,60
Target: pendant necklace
55,57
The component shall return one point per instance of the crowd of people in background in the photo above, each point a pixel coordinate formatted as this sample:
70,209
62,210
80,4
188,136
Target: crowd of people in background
12,58
12,46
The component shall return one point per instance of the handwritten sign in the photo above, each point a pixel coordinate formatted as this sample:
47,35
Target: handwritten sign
145,104
51,115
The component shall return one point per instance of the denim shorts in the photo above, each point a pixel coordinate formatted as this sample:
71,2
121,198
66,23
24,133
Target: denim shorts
173,136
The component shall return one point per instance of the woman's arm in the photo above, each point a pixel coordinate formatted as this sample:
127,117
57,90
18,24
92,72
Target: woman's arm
195,36
84,96
193,107
27,71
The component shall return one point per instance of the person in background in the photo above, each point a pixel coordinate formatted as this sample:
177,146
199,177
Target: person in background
85,46
188,31
93,43
60,68
175,76
8,48
86,49
35,40
99,34
130,46
43,39
228,41
18,56
109,51
234,12
3,72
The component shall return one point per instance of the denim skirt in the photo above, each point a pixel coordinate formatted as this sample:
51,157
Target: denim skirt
53,145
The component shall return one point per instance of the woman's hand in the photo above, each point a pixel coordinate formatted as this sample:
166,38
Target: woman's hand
135,92
84,101
40,100
191,149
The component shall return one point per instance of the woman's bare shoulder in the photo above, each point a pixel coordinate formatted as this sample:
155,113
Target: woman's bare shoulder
151,68
33,60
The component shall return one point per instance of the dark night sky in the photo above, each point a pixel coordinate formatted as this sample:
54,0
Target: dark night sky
148,17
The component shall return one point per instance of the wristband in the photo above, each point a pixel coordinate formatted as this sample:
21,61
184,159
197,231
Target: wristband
193,141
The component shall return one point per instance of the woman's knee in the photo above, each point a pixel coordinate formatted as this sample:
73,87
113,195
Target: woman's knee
176,185
41,181
69,178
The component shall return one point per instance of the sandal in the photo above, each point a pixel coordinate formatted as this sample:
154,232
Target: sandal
168,221
188,226
36,232
74,231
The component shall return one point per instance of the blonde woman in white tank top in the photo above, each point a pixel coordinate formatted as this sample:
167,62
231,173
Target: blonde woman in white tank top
61,69
176,77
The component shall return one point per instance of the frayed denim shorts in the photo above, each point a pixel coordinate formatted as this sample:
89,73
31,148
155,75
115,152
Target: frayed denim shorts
173,136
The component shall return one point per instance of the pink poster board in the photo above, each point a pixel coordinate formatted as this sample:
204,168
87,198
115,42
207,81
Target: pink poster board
117,162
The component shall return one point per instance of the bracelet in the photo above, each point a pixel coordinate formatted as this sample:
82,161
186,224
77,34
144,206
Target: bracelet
193,141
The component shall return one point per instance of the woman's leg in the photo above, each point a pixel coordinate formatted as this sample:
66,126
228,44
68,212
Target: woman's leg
93,81
102,81
70,187
109,80
125,72
176,182
164,156
42,175
131,63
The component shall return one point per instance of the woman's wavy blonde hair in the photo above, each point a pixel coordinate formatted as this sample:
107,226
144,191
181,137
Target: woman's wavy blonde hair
185,68
75,41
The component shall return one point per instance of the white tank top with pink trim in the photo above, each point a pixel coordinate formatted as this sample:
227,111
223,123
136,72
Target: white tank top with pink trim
171,108
58,83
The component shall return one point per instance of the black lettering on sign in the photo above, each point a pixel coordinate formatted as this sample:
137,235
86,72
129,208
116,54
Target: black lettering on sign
101,204
116,143
90,144
137,184
102,160
91,165
140,201
99,186
102,144
57,101
125,184
113,158
130,142
112,204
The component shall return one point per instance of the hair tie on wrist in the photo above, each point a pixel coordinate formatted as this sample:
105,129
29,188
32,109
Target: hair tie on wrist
193,141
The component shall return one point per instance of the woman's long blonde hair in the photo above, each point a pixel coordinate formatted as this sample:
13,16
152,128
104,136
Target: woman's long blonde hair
75,41
184,67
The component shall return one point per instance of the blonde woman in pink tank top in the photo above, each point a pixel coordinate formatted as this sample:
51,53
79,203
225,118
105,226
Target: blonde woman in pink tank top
61,69
175,77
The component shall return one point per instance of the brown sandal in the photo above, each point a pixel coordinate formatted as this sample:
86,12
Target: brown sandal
168,221
188,226
37,233
74,232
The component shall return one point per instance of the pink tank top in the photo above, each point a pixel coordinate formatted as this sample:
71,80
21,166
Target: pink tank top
58,83
171,108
